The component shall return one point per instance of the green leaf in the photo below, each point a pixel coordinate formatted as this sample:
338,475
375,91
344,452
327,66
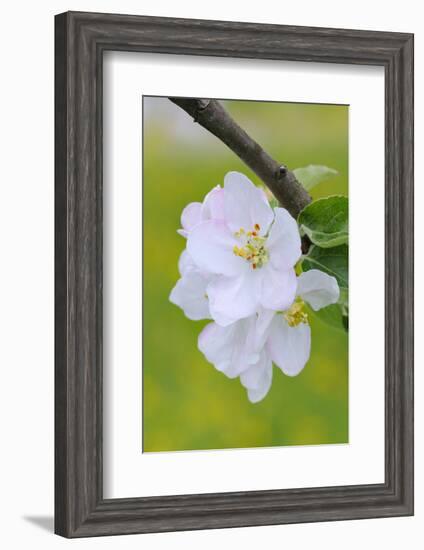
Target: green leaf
325,221
333,261
344,301
311,175
331,315
335,315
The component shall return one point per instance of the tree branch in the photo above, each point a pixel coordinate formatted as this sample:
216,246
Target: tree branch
210,114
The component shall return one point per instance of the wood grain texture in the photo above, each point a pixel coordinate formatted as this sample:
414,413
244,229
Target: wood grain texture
81,39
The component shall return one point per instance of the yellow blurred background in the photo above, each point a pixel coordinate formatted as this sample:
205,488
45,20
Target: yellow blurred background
187,404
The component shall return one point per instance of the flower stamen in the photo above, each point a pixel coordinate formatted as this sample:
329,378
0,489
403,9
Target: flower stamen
296,314
254,250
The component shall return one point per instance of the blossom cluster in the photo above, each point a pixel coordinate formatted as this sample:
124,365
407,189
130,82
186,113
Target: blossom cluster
238,269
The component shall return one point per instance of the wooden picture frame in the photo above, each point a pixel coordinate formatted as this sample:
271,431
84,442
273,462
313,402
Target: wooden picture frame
81,39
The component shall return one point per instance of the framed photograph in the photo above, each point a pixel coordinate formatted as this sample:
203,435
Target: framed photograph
234,274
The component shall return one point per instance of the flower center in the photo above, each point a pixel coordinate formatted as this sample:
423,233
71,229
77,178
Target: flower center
253,247
296,314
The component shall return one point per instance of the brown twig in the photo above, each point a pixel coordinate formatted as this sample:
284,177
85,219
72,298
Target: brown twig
210,114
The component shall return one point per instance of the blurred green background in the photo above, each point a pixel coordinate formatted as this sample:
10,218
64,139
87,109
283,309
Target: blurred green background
187,404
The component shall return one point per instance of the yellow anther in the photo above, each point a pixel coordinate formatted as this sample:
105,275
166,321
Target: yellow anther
240,251
296,314
254,250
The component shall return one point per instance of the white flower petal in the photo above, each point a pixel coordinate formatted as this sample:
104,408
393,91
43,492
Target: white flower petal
211,244
233,298
191,216
252,376
289,347
228,348
257,394
283,242
257,379
190,295
278,288
264,318
317,288
245,204
185,263
213,205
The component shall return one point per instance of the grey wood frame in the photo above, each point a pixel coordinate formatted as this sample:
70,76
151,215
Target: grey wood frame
80,40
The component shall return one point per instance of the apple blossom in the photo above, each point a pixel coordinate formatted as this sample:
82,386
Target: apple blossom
251,249
238,270
248,347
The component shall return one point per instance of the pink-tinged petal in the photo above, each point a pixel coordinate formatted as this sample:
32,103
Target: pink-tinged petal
233,298
317,288
185,263
283,242
278,288
257,379
190,295
289,347
213,205
245,204
228,348
191,216
183,233
211,244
